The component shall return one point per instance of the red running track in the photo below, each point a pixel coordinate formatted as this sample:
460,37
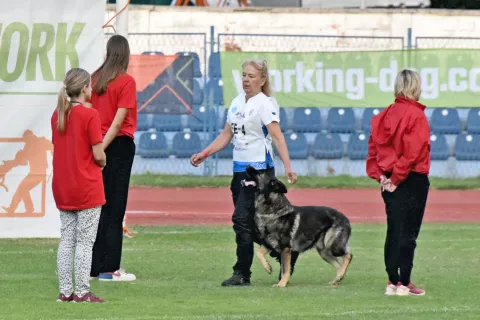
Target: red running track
211,206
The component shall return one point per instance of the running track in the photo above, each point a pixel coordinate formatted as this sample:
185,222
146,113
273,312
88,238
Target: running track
209,206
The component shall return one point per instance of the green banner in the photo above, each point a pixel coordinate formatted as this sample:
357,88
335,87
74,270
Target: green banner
450,77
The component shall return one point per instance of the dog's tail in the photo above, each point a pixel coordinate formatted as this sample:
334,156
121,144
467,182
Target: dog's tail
340,245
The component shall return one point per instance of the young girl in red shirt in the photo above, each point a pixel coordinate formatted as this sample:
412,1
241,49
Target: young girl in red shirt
77,183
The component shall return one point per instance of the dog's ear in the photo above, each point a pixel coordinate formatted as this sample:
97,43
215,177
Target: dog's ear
251,172
277,186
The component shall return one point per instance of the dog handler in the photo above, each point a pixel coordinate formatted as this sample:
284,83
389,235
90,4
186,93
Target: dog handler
399,158
252,122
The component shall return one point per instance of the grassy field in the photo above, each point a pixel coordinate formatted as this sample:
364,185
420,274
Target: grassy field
179,270
152,180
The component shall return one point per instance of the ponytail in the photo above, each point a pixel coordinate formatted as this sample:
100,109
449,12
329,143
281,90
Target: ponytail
64,107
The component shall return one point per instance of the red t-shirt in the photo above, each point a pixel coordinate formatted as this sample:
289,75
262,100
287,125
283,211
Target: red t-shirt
77,179
400,141
121,93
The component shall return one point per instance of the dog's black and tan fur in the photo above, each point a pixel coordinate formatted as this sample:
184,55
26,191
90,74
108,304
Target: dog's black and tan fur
283,227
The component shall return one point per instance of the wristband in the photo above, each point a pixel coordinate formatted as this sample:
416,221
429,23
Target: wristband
205,154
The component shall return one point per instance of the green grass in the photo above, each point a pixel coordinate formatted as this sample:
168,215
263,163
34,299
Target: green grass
182,181
179,270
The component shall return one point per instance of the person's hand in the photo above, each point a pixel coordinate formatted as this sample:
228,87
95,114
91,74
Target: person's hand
291,175
385,183
390,187
198,158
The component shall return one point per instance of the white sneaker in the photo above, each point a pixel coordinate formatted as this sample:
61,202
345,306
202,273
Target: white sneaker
119,275
403,290
391,289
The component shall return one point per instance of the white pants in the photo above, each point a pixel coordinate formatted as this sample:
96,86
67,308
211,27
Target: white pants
78,233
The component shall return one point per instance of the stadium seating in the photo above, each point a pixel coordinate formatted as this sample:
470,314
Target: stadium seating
284,125
143,122
297,145
214,70
473,120
467,147
185,144
167,122
341,120
367,116
197,73
438,147
357,148
153,145
307,120
445,121
197,93
214,92
202,117
327,146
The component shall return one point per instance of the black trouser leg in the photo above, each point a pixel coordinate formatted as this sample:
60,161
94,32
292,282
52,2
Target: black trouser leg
107,250
418,186
404,208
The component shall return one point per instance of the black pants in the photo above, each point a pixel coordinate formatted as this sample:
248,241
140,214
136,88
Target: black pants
405,208
244,225
107,250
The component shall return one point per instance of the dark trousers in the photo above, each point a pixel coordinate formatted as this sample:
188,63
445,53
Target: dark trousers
244,225
107,250
405,208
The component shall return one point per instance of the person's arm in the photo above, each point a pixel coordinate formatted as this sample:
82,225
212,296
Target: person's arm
220,142
373,171
127,100
415,139
94,132
115,127
279,141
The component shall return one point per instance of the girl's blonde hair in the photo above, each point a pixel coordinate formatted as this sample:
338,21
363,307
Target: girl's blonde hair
261,65
408,85
75,80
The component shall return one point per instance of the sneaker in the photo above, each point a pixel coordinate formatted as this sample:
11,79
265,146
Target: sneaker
88,297
391,289
64,298
236,280
119,275
409,290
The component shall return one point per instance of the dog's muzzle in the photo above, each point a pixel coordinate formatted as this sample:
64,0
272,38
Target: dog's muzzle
248,183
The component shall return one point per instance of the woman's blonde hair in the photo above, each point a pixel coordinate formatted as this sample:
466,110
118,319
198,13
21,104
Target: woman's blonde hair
75,80
261,65
408,85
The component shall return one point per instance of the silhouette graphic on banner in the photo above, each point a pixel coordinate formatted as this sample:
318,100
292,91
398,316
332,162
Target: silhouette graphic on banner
34,154
164,83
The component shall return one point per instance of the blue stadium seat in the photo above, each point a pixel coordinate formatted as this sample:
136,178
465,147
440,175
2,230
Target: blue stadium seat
297,145
214,70
185,144
357,148
152,53
307,120
327,146
153,145
167,122
197,93
467,147
341,120
142,122
367,116
197,73
214,92
473,120
438,147
284,126
205,116
445,120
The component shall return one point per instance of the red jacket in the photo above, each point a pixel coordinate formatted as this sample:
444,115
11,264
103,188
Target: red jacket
399,142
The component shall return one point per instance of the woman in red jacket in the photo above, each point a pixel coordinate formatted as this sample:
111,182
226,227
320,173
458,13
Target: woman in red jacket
399,159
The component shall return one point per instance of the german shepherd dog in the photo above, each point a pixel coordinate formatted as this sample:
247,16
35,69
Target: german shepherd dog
283,227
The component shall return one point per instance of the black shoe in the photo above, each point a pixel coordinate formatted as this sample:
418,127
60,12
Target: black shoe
236,280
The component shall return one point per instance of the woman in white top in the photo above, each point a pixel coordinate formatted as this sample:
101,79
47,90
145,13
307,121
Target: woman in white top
252,123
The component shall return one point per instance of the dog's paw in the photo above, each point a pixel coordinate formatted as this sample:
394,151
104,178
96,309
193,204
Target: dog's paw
268,268
279,285
334,284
